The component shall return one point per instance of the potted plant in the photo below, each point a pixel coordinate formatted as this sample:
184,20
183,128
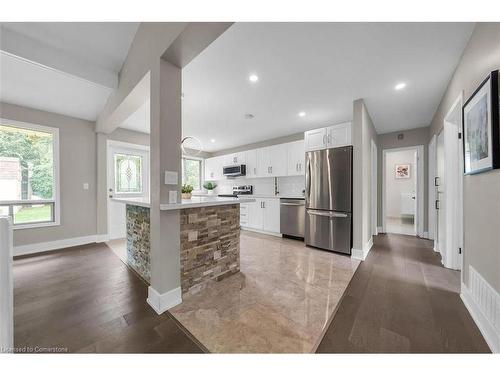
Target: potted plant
210,186
186,191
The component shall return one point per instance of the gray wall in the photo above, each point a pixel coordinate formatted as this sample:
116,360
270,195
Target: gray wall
363,132
413,137
77,144
481,191
266,143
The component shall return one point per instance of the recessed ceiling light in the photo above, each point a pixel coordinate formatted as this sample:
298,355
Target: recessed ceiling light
253,78
212,140
249,116
302,114
400,86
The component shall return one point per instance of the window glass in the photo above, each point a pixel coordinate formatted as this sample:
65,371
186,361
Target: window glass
128,173
191,172
27,170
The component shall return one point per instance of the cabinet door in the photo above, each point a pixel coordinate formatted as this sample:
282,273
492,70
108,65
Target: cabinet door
218,163
339,135
244,209
263,162
296,158
278,160
316,139
251,163
271,215
256,214
234,159
210,169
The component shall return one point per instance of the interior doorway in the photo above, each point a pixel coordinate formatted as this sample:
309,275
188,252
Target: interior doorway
448,181
402,197
127,177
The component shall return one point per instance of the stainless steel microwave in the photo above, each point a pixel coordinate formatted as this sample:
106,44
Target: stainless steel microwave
234,170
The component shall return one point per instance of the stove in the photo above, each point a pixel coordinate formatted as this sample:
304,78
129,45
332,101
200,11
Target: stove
239,190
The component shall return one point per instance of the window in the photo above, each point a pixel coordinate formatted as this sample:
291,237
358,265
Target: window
29,174
128,170
191,172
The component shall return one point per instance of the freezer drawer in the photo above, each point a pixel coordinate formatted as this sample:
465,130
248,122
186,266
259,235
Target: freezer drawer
328,230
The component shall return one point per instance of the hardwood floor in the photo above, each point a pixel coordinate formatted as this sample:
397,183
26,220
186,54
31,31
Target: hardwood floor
401,300
86,300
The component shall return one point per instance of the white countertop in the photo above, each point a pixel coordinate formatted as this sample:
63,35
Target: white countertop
143,202
204,201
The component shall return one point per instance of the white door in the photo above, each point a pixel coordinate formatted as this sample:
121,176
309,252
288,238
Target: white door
440,197
251,163
315,139
256,214
271,215
128,176
278,162
296,158
339,135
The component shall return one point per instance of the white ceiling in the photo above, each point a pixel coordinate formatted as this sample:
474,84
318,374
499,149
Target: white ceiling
67,68
319,68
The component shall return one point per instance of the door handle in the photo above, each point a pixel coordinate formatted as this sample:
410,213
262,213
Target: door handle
327,214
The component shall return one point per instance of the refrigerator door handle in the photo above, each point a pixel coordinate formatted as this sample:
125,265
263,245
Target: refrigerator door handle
328,214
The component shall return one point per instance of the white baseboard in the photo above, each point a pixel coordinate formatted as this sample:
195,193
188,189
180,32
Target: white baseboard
483,303
102,238
53,245
362,254
426,235
162,302
261,232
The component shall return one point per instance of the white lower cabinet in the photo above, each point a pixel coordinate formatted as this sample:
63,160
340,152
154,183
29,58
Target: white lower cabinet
263,214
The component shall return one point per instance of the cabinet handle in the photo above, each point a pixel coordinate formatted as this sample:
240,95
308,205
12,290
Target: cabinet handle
263,204
324,139
300,167
329,139
436,205
297,167
254,171
271,169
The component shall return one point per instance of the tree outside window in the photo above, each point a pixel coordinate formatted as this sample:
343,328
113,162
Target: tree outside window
191,172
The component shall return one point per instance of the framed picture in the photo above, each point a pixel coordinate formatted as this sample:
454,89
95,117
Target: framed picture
481,127
402,171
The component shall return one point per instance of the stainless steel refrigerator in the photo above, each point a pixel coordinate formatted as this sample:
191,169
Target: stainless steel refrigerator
328,222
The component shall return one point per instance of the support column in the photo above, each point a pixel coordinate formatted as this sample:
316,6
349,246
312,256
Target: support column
166,131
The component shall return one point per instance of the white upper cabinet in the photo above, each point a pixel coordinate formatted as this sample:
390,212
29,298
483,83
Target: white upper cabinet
213,168
339,135
251,163
234,159
272,161
316,139
334,136
296,158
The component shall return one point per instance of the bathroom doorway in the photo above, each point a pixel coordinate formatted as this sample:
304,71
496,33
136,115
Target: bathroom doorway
402,204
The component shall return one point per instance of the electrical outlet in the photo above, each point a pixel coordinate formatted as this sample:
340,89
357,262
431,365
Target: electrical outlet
86,186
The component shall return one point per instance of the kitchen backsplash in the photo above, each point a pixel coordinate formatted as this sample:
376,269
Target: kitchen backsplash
289,185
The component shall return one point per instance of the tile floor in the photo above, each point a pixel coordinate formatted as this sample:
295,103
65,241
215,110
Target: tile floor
281,302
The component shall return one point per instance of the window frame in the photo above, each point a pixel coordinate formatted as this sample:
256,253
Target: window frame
56,198
202,170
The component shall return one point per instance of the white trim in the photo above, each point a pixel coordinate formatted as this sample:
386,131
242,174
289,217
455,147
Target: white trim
56,169
99,238
483,303
162,302
362,254
53,245
432,212
426,235
261,231
419,217
374,196
7,287
380,230
120,144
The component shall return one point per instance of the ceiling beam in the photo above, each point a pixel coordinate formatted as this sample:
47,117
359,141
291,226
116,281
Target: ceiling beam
39,53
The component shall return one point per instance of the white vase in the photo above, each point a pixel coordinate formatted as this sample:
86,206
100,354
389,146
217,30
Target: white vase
210,192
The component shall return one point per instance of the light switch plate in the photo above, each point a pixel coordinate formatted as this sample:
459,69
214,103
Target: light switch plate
172,196
171,178
86,186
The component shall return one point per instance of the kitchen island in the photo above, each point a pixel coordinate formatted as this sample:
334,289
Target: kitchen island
209,238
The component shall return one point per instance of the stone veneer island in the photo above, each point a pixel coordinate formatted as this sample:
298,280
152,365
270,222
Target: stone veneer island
209,239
